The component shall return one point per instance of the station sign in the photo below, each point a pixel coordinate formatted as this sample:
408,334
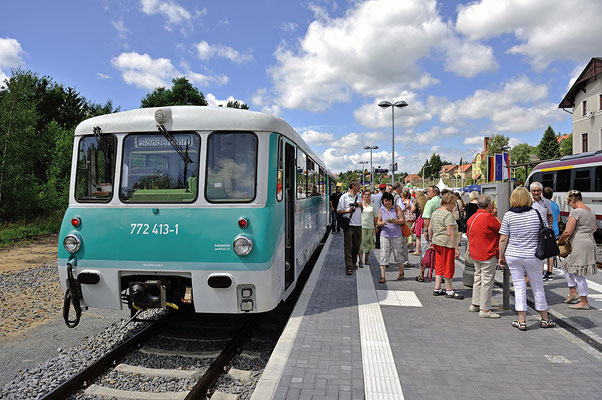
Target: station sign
158,142
380,170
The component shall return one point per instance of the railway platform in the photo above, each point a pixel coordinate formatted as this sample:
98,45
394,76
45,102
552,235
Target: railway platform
351,337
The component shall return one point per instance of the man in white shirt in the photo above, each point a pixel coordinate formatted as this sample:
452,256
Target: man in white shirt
350,206
544,207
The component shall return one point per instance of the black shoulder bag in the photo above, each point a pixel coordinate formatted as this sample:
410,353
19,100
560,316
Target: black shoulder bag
546,243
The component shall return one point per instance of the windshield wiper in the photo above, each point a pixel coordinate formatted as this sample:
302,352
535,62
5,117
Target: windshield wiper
174,143
102,143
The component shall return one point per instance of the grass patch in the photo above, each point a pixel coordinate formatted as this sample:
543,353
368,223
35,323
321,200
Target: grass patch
12,232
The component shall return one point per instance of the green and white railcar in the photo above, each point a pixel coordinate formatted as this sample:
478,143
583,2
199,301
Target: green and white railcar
217,207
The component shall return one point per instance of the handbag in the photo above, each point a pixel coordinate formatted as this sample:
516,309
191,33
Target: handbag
565,249
405,231
546,241
461,221
467,258
345,222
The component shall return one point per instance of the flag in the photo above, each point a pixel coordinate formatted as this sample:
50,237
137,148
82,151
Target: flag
505,166
498,167
490,169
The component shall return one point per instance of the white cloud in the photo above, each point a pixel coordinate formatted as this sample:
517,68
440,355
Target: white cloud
262,100
205,51
428,137
314,138
373,50
575,74
474,140
121,28
3,78
469,59
145,72
373,117
103,76
10,53
546,29
213,101
171,11
289,27
490,104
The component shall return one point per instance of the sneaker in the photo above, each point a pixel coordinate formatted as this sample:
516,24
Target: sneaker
488,314
408,264
454,295
473,308
547,276
438,292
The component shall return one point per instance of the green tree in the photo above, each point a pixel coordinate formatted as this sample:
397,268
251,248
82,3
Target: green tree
520,153
548,146
566,146
237,104
182,93
435,165
496,144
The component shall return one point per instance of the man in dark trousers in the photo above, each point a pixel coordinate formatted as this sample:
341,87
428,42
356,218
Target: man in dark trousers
336,217
351,207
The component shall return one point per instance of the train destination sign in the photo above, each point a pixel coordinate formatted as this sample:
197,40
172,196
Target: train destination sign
157,142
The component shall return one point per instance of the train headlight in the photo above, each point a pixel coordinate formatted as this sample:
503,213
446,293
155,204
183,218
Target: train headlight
72,243
242,245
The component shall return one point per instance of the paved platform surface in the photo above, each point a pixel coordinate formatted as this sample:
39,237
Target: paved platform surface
354,328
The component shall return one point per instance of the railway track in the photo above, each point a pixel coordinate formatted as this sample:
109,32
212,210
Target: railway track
137,361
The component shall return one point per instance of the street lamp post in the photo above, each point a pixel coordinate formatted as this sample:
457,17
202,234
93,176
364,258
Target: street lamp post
424,177
507,147
371,170
362,176
386,104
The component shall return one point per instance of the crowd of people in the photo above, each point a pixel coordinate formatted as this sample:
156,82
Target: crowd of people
398,221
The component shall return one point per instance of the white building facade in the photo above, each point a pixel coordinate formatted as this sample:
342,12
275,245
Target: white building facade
585,100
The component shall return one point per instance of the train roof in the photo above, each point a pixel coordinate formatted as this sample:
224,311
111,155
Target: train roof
573,159
193,118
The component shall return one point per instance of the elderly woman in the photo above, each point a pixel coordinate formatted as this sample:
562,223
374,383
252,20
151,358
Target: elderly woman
369,215
390,235
518,242
483,232
581,262
409,213
472,206
443,232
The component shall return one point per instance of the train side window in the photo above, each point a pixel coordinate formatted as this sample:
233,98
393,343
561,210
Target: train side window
547,179
563,180
311,184
598,180
301,165
280,173
231,167
95,169
582,180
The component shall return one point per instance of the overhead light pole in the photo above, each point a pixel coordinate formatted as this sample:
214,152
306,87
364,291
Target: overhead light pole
362,175
371,170
387,104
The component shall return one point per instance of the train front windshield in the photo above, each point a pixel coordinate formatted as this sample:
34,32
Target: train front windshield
153,171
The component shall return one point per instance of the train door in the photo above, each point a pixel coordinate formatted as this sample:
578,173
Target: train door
290,177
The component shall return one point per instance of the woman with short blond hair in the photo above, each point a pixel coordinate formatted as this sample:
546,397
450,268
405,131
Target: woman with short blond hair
519,236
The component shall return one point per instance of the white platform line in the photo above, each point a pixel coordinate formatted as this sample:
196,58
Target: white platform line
268,383
380,374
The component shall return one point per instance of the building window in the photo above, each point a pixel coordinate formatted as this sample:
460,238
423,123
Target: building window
584,142
584,107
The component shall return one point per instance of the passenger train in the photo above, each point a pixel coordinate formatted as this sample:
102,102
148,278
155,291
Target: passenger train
215,207
581,172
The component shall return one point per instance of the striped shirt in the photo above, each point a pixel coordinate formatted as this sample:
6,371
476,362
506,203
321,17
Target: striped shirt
522,230
440,220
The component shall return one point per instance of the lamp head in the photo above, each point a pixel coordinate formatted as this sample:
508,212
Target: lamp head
400,104
385,104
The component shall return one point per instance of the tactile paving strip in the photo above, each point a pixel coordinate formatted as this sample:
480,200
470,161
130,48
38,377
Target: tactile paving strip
381,381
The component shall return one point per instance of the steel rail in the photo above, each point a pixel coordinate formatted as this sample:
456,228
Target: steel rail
97,368
201,389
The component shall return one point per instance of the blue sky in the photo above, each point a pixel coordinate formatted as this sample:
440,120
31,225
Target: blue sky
467,69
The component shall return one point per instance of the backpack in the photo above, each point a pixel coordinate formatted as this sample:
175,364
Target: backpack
428,261
546,241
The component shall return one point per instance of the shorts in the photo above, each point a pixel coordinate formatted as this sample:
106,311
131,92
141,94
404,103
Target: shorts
388,245
445,261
